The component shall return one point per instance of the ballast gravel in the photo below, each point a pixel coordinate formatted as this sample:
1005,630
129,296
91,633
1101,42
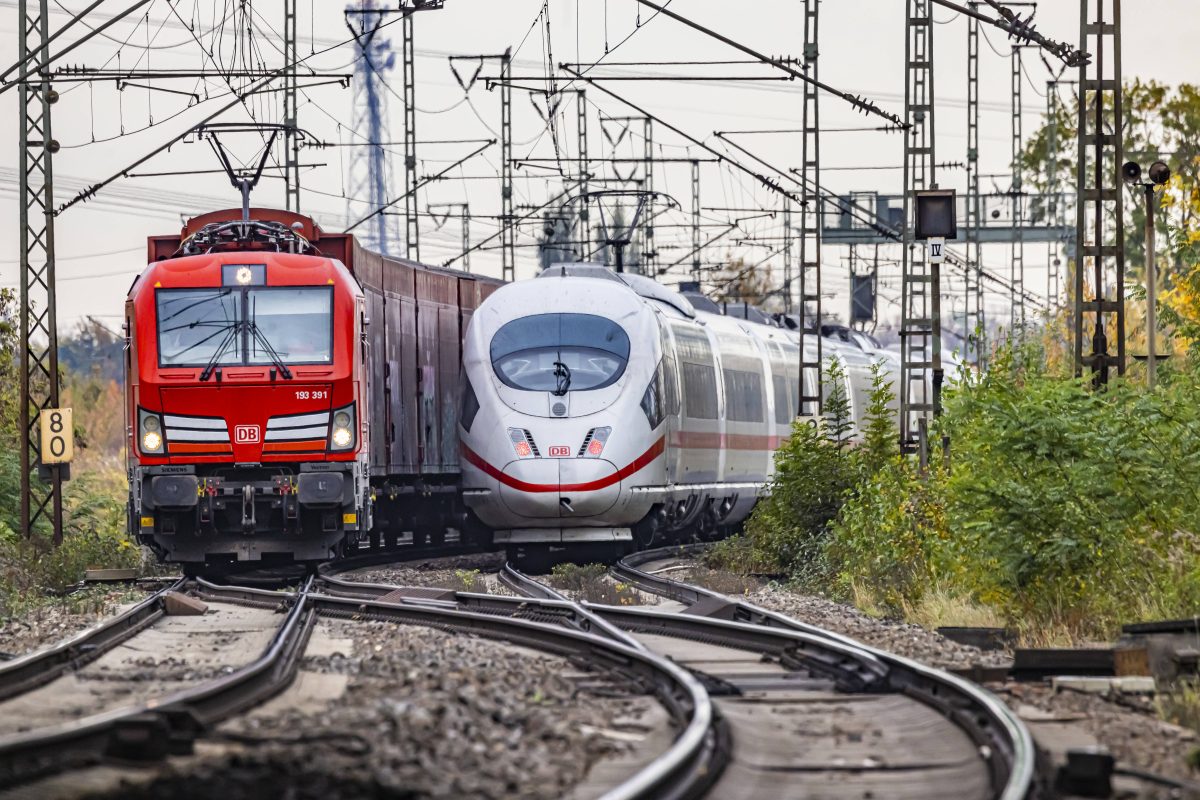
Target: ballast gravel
465,573
894,636
425,714
60,618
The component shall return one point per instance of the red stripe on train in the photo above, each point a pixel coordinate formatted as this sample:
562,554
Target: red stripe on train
697,440
637,464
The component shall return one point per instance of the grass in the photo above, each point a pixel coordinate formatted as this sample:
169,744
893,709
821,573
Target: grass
471,580
590,583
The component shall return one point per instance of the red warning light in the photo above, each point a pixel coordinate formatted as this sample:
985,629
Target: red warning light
522,449
595,448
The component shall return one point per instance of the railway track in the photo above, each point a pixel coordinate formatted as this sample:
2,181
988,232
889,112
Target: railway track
759,704
808,712
160,725
125,704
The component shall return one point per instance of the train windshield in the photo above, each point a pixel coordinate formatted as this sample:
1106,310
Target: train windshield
242,326
560,353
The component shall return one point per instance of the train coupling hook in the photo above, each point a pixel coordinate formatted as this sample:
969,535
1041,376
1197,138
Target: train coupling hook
248,520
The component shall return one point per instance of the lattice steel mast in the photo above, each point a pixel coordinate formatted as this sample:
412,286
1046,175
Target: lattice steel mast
370,168
1101,154
41,500
920,301
412,226
973,316
292,135
810,401
1017,265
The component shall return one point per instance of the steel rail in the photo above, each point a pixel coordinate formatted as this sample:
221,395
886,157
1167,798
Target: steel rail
41,666
553,608
686,769
167,724
1003,739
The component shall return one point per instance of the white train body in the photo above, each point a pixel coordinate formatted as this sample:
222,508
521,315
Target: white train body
601,407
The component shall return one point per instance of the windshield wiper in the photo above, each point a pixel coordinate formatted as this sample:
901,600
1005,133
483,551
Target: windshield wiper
562,375
266,345
230,336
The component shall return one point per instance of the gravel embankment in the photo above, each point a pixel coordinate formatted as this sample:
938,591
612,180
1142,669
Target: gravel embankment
60,618
1127,726
465,573
426,714
894,636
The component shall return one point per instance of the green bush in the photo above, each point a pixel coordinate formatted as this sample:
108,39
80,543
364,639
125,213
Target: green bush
1065,509
814,472
1071,506
890,535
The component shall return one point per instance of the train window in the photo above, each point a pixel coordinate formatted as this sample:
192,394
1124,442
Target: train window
233,326
294,322
743,395
469,406
197,325
652,399
560,352
783,404
699,390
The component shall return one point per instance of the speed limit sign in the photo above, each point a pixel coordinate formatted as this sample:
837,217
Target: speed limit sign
58,436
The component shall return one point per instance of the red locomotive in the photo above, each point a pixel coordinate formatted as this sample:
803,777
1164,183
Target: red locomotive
290,394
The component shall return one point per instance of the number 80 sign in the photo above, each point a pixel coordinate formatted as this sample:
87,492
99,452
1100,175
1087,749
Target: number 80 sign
58,435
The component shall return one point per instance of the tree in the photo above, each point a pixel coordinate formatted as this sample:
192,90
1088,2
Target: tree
740,282
1159,122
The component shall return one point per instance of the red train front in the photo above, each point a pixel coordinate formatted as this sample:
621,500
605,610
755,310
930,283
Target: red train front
247,393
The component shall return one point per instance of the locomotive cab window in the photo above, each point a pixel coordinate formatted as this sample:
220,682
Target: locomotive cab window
254,325
560,353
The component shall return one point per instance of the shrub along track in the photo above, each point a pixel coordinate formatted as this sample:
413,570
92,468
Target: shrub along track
807,712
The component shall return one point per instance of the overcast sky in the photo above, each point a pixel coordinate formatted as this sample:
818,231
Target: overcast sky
101,243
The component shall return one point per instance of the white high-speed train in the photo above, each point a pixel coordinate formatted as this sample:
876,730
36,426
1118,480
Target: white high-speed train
606,409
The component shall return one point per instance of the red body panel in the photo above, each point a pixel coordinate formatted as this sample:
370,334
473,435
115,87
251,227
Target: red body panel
245,396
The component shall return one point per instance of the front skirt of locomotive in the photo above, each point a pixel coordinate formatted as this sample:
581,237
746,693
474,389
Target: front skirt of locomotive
300,512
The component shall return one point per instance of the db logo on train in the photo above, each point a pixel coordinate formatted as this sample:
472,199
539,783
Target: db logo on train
560,451
245,434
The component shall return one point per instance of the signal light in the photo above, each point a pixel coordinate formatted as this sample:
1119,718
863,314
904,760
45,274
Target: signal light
596,447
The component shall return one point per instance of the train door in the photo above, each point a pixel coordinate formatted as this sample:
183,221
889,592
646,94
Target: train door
400,367
369,268
449,359
428,422
673,406
699,437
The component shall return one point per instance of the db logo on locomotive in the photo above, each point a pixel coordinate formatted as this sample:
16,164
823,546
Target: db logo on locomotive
559,451
246,434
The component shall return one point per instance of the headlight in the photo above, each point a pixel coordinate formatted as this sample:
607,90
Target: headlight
593,443
342,437
150,432
523,444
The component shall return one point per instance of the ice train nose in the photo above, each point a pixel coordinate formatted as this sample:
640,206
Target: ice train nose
551,488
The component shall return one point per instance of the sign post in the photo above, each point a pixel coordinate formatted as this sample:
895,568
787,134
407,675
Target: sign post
937,249
58,436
